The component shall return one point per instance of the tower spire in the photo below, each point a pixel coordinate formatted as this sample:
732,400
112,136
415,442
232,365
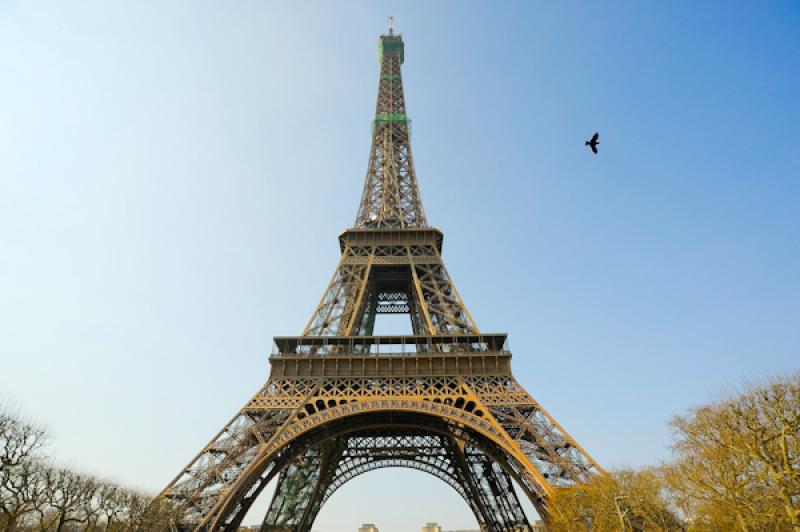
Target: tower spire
391,195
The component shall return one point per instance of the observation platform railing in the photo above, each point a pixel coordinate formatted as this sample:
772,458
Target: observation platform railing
389,345
390,356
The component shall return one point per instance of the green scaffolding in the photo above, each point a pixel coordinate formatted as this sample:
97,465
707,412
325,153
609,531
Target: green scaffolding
383,118
391,117
390,45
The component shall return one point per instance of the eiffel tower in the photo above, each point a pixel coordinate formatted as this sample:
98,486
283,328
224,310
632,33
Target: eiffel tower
340,402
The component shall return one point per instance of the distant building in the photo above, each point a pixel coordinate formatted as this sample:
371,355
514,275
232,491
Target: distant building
368,527
431,527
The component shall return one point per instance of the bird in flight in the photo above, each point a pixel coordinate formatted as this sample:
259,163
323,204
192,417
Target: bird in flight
593,142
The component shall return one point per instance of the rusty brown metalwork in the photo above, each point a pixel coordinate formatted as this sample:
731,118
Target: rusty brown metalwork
341,402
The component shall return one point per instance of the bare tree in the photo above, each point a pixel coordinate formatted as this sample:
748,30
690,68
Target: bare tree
19,440
150,514
35,495
738,460
21,492
623,500
70,498
110,504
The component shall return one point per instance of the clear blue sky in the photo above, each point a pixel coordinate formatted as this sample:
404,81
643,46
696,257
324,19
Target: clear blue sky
173,176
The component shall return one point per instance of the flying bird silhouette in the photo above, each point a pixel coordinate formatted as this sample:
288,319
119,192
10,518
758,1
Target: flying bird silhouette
593,142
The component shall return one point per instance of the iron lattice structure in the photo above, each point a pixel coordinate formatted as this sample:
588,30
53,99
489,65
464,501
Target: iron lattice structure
341,402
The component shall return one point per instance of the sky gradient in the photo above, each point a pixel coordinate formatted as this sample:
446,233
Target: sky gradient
173,176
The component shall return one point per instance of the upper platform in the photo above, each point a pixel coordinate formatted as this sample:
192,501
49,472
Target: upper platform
362,236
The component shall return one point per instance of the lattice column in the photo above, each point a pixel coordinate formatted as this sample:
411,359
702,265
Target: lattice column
204,482
300,490
295,487
443,304
555,454
494,488
337,312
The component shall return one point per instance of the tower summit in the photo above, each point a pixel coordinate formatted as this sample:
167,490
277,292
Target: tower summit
391,195
341,402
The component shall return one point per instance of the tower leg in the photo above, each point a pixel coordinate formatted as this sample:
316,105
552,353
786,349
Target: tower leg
301,487
491,489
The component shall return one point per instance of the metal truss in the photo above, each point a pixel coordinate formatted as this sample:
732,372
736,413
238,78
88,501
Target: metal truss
340,402
219,485
368,275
